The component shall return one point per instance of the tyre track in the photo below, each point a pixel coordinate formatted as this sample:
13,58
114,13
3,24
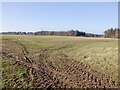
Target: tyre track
74,74
82,75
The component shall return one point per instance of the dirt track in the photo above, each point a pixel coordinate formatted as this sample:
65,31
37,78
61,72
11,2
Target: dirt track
43,74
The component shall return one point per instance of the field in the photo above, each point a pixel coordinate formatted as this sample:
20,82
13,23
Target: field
31,61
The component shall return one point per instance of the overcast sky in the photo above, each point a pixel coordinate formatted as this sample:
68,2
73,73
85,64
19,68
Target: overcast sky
92,17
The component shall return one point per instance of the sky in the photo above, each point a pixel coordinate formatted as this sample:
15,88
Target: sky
91,17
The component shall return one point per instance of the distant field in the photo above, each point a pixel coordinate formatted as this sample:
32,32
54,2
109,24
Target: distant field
59,61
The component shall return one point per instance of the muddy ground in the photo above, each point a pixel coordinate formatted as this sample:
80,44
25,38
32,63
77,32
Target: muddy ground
42,72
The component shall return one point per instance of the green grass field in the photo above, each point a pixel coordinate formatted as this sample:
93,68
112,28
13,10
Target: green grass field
101,54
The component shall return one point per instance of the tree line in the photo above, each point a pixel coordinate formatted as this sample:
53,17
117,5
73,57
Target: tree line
61,33
112,33
19,33
57,33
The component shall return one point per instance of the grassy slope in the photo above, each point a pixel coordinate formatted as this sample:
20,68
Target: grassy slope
101,54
